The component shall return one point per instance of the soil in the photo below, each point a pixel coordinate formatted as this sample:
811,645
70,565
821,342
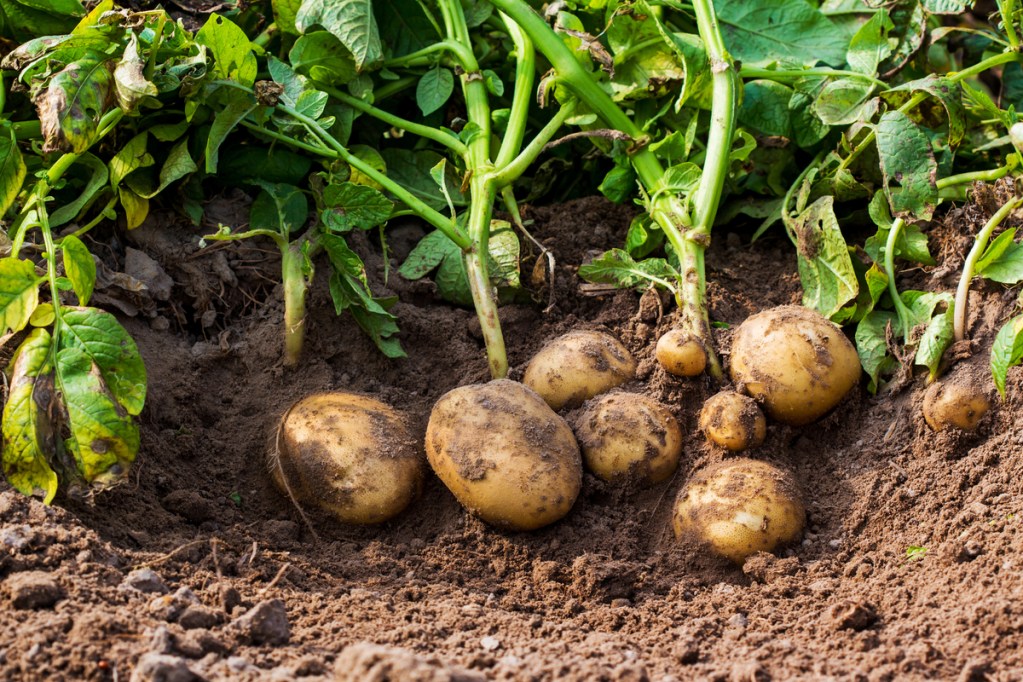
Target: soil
198,568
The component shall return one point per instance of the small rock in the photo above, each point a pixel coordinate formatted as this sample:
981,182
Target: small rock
161,641
197,616
170,606
163,668
265,623
490,643
17,537
851,615
189,504
145,580
237,664
33,590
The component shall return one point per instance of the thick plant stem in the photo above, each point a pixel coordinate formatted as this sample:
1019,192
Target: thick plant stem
293,277
979,245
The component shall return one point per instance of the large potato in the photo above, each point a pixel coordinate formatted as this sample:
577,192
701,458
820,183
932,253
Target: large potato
348,454
741,507
795,362
506,456
630,437
577,366
733,421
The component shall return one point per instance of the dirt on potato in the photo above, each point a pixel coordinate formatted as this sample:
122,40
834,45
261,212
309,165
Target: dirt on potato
198,568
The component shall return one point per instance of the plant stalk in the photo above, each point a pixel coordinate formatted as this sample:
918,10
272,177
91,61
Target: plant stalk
979,245
901,310
295,286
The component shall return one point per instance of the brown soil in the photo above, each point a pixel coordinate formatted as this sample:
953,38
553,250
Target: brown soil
911,567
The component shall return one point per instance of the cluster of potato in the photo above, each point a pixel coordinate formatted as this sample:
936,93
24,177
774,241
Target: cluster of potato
510,458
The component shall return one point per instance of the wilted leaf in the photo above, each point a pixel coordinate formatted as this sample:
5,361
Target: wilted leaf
825,267
79,266
618,268
129,79
907,161
107,345
74,101
19,293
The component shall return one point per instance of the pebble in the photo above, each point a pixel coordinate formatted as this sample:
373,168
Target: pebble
490,643
265,623
145,580
17,537
197,616
170,606
33,590
163,668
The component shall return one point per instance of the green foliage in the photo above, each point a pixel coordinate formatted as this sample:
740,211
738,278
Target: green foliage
1007,351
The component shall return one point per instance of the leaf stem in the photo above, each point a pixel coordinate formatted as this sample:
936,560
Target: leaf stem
511,171
973,176
749,72
979,244
518,116
901,310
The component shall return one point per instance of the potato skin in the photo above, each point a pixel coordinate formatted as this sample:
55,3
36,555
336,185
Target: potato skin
680,354
733,421
504,454
740,507
577,366
795,362
348,454
628,437
949,403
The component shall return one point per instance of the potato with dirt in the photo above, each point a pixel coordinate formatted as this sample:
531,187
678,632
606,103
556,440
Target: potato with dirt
630,438
504,454
348,454
678,353
795,362
733,421
954,403
577,366
740,507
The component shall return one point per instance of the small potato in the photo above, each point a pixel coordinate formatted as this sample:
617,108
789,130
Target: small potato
733,421
795,362
741,507
629,437
680,354
504,454
577,366
951,403
348,454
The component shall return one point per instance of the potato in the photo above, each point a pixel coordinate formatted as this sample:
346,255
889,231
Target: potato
733,421
504,454
680,354
577,366
628,437
795,362
954,403
349,455
741,507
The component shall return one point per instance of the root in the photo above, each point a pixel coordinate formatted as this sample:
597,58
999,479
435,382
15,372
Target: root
273,464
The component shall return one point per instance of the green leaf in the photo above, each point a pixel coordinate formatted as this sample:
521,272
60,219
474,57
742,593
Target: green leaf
108,346
869,46
179,163
247,164
842,101
936,339
74,101
404,26
130,158
793,31
911,243
644,237
350,21
765,107
427,255
947,6
411,170
504,251
1002,261
908,166
825,267
239,105
12,170
620,182
79,266
98,177
618,268
348,207
1007,351
872,345
279,208
434,89
369,313
19,293
25,19
28,438
103,438
232,52
285,12
136,208
910,30
323,58
645,65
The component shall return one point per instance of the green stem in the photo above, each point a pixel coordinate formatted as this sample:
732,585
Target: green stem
979,245
1007,8
518,116
295,286
974,176
392,88
424,56
298,144
97,220
513,170
264,38
439,136
889,265
796,74
27,130
157,39
786,212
